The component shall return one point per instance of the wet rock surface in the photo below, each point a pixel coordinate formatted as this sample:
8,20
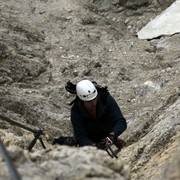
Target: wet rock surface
43,44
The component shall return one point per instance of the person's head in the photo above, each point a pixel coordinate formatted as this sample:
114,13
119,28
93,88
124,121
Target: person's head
87,92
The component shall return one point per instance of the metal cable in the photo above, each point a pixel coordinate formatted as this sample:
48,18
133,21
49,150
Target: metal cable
14,173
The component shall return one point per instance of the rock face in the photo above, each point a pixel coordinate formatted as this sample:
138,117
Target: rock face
67,163
167,23
43,44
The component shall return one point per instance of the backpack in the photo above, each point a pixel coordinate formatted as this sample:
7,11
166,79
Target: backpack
102,91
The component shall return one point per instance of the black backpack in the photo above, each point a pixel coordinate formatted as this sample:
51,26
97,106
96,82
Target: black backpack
102,91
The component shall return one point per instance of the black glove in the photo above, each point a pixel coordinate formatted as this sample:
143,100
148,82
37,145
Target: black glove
101,144
112,138
70,87
65,140
120,144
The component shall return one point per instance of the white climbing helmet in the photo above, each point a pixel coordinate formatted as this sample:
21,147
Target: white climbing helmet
86,90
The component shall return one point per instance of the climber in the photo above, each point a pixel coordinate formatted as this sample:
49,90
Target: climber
95,115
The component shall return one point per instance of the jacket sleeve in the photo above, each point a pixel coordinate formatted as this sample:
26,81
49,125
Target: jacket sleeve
79,129
117,116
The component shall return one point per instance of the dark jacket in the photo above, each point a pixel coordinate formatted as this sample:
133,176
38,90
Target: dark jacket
88,130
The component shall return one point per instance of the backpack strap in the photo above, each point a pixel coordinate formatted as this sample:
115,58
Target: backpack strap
74,101
103,91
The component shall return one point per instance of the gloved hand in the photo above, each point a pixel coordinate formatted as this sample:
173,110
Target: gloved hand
112,137
101,144
65,140
70,87
119,143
